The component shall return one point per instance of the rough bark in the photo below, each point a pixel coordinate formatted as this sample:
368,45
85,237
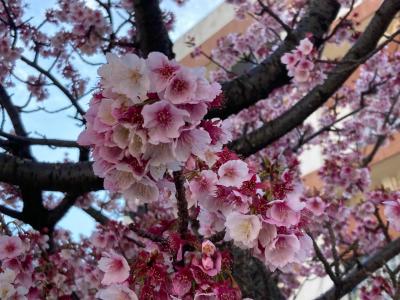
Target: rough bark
62,177
255,281
152,34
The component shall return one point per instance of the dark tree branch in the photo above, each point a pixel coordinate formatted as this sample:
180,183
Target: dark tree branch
11,212
265,8
323,260
62,208
342,20
258,83
255,281
384,227
145,234
382,137
151,31
296,115
40,141
96,215
183,215
16,121
373,263
33,211
62,177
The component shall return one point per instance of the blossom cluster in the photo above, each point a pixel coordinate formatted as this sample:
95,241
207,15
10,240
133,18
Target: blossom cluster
91,270
88,25
299,63
148,119
147,122
17,275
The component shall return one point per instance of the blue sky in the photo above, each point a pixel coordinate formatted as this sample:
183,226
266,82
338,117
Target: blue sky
61,125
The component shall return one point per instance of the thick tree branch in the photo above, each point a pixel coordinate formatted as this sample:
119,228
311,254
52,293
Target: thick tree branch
62,208
40,141
16,121
33,211
152,34
11,212
62,177
255,281
373,263
248,88
296,115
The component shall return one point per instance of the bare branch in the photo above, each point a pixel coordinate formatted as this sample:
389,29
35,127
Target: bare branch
323,260
373,263
56,82
265,8
96,215
40,141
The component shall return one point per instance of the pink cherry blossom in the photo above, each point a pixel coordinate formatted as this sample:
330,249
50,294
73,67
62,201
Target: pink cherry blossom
160,154
289,59
194,141
99,240
306,247
181,87
144,191
281,214
117,291
182,282
118,180
267,234
282,251
392,213
316,205
10,247
161,70
137,143
115,268
209,264
205,296
7,290
205,91
120,136
163,120
126,75
305,46
242,229
301,75
204,185
233,173
208,248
